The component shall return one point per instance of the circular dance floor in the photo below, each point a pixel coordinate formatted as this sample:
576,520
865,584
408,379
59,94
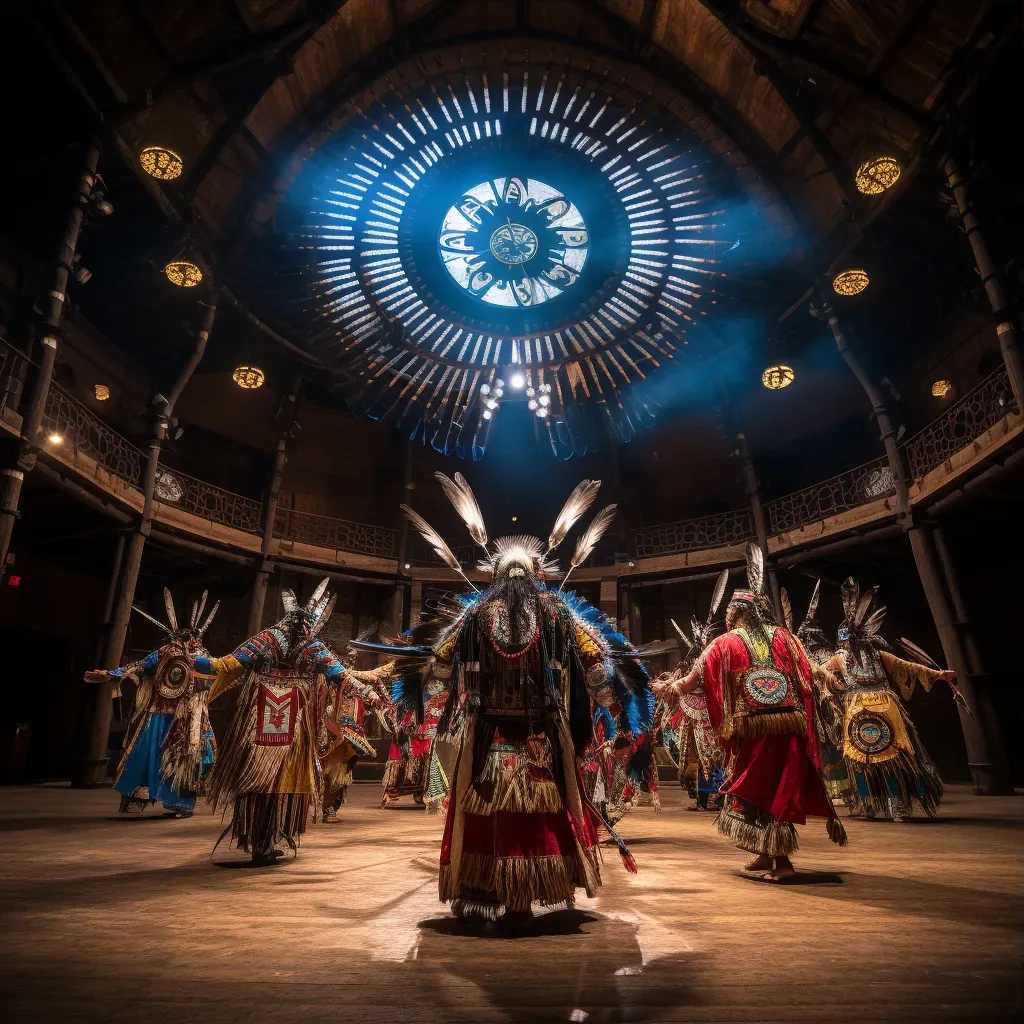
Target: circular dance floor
112,920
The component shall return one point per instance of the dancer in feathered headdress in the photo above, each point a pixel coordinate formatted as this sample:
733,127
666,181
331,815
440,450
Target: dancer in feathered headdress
686,727
890,767
757,684
269,769
170,746
521,662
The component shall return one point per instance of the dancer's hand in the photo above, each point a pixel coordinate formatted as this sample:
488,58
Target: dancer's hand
96,675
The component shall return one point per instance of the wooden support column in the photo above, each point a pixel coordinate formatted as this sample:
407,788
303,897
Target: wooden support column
258,597
1002,311
401,597
731,420
12,477
1001,782
92,770
609,598
976,736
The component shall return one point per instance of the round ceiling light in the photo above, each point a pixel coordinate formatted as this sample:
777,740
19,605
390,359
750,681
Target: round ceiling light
511,242
941,388
876,175
161,162
249,378
183,273
850,282
777,377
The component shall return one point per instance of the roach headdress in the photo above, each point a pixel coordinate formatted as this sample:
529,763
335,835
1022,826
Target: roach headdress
190,635
860,623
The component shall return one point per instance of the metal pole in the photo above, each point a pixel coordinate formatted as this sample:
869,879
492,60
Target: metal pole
1006,326
92,771
259,587
989,721
13,477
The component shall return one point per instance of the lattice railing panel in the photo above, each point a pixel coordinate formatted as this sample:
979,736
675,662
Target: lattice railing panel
715,531
831,497
960,424
81,431
340,534
208,502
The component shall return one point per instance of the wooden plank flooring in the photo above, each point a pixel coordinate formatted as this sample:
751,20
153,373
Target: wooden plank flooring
112,920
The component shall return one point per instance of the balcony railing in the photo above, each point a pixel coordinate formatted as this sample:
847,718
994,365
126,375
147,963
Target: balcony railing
80,431
715,531
209,502
340,534
960,424
831,497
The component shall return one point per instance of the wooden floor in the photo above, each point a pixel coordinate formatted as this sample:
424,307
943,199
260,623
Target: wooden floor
128,920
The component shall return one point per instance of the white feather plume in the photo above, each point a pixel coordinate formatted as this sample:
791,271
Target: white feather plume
755,568
592,534
461,495
433,538
172,618
578,502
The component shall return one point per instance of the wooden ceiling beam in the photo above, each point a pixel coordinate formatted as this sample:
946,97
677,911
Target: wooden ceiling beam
777,47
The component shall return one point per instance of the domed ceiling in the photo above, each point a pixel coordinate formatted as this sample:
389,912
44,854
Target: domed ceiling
480,227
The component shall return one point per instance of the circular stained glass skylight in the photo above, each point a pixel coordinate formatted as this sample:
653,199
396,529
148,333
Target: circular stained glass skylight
513,242
486,216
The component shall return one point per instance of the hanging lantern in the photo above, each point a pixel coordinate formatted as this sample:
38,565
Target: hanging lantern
161,163
874,176
941,388
850,282
101,391
183,273
777,377
249,378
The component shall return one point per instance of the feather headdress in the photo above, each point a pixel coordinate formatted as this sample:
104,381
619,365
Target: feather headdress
862,626
520,549
171,627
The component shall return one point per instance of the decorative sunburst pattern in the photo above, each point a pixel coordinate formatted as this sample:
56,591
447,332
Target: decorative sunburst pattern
542,220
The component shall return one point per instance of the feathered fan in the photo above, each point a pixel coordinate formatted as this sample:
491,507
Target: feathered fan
589,538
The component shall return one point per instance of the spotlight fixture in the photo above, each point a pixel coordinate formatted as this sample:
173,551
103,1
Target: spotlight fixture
249,378
83,275
55,438
941,388
542,412
183,273
408,565
531,404
517,380
850,282
487,414
102,392
485,389
515,519
544,399
777,377
874,176
162,163
631,564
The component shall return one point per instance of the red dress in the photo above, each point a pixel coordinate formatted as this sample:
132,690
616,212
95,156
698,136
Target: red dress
778,773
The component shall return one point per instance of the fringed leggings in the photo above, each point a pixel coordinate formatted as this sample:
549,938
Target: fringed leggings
755,830
262,820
